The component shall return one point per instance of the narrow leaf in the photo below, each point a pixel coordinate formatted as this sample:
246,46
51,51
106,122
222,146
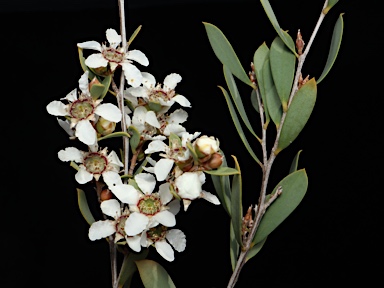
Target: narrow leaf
106,82
282,63
234,247
295,163
222,171
283,35
135,138
128,268
236,98
294,187
331,3
298,114
273,101
91,75
225,53
154,275
84,208
237,204
334,48
134,34
97,90
115,134
238,126
254,102
254,250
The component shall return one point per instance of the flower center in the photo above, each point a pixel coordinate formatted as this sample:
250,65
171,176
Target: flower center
157,233
112,55
82,109
149,205
120,223
95,163
156,94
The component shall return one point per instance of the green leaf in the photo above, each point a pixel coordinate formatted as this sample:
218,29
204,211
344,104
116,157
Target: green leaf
128,268
255,103
238,126
282,63
84,208
225,53
96,90
154,275
234,247
135,138
106,82
294,187
295,163
331,3
237,205
193,152
273,100
334,48
222,171
259,58
91,75
282,34
134,34
223,187
115,134
298,114
236,98
254,250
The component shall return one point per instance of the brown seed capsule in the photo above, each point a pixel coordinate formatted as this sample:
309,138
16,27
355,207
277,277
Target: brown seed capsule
106,194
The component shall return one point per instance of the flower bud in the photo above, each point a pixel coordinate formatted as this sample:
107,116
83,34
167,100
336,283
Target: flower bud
106,194
105,127
205,146
214,162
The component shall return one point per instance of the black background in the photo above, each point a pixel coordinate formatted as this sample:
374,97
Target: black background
330,239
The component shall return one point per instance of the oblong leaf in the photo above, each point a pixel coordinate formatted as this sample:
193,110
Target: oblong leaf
91,75
83,206
295,163
282,34
106,82
254,101
128,267
294,186
222,171
237,204
298,114
236,98
234,247
225,53
154,275
255,249
97,90
114,134
238,126
282,63
135,138
272,98
334,48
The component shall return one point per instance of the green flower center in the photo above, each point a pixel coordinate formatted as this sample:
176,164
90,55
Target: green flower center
156,94
82,109
95,163
112,55
157,233
149,205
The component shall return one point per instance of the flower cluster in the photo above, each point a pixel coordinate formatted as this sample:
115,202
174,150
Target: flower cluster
139,212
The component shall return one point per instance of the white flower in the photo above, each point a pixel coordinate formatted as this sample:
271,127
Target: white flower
104,228
93,164
84,110
207,145
114,55
147,209
164,94
171,123
163,240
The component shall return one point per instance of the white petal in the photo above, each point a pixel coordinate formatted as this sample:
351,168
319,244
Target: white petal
151,119
166,218
171,80
165,193
83,176
137,91
174,206
132,74
178,116
149,80
135,224
113,38
109,112
71,96
146,182
177,239
90,45
162,168
70,154
182,101
112,178
165,250
188,185
114,159
96,60
125,193
174,128
57,108
101,229
210,197
111,208
83,83
85,132
134,243
137,56
155,146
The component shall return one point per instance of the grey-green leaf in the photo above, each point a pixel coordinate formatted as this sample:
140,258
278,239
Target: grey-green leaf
334,48
225,53
294,186
254,101
283,35
153,275
255,249
238,125
83,206
134,34
237,204
298,114
233,247
295,163
237,98
330,4
282,63
222,171
273,101
128,267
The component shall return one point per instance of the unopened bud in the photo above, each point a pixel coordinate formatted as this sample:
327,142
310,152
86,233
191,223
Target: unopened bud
205,145
299,43
214,162
105,127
